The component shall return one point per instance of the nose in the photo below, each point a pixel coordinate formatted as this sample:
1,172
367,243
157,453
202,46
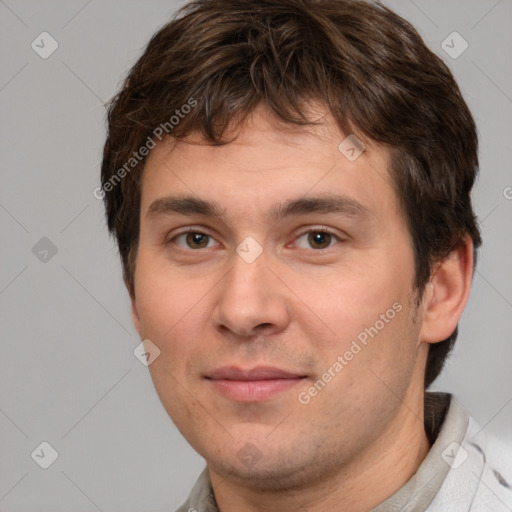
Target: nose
251,300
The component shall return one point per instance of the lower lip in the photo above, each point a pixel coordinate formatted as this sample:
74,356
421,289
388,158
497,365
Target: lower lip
254,390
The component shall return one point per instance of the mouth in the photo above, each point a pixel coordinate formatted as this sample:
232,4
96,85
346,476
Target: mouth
252,385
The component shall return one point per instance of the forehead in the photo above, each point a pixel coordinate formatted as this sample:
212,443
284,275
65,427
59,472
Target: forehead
270,160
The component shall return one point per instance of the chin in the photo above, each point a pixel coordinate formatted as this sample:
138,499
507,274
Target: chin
274,471
269,476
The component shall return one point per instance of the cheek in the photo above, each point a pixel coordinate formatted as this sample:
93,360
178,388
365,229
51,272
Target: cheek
172,314
369,318
377,362
164,299
175,313
348,303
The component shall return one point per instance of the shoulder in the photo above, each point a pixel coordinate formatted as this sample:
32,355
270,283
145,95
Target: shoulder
479,476
495,489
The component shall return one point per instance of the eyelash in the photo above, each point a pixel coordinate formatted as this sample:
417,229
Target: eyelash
317,229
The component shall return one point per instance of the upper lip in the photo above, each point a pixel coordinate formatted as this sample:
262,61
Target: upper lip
258,373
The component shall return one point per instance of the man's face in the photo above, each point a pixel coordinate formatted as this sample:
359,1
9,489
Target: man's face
296,296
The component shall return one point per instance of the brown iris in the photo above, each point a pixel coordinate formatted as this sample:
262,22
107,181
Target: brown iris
319,239
197,240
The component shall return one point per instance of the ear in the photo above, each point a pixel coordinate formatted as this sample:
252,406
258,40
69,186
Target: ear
447,293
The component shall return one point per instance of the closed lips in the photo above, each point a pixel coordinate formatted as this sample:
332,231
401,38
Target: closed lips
254,374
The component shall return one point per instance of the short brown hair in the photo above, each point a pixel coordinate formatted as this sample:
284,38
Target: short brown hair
365,63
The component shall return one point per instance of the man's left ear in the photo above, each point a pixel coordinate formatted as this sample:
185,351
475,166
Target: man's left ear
447,293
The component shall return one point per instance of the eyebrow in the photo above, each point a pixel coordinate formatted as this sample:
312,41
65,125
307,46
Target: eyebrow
325,203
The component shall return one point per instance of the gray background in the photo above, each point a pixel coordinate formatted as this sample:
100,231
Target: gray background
68,374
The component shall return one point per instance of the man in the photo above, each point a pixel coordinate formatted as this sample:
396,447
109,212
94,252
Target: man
289,185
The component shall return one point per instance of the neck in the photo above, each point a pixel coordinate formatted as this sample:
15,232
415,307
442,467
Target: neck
358,485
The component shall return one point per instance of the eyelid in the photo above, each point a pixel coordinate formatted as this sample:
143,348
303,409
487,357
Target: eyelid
183,231
322,229
319,227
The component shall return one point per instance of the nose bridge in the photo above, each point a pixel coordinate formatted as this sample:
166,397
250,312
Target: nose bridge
246,274
249,297
249,266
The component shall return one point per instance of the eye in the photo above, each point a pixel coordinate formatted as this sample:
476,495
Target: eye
194,240
317,239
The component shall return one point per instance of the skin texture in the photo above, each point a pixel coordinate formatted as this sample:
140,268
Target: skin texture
296,307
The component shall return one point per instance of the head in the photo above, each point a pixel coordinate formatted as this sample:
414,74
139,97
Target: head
243,106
